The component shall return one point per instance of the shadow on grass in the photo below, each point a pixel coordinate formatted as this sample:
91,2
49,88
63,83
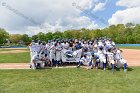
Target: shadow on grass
128,69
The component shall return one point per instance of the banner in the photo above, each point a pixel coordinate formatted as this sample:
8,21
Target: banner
71,56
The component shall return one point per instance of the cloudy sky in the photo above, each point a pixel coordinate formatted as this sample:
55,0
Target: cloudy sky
33,16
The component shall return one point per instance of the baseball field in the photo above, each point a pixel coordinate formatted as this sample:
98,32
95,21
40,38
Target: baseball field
16,77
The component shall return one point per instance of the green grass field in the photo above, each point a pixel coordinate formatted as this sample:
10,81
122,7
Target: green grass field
65,80
69,81
14,57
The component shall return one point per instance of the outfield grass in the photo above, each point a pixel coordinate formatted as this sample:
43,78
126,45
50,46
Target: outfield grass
8,49
69,81
129,47
15,57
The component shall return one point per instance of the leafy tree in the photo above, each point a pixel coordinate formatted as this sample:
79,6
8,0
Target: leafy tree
26,39
15,38
3,36
57,35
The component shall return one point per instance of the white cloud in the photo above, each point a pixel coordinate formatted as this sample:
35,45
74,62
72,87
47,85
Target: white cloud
128,3
74,23
53,15
130,14
84,3
93,5
99,7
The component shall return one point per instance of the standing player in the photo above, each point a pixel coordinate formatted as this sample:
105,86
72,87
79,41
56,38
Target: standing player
111,61
33,51
102,58
58,49
53,53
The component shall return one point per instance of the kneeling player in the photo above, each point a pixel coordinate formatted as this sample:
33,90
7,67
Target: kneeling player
39,59
86,60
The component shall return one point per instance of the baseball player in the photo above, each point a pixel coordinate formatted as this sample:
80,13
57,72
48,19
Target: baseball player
124,62
39,58
58,49
102,57
110,57
53,53
118,57
82,60
33,51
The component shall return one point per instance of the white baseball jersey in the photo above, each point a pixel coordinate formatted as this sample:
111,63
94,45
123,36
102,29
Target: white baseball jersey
118,55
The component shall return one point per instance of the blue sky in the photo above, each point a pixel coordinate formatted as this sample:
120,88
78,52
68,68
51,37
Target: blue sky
34,16
105,14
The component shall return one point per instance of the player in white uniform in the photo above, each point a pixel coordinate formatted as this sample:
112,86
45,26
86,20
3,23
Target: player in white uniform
82,60
58,49
102,57
53,53
89,60
110,57
100,44
108,45
34,59
124,62
65,45
33,51
118,58
39,59
39,46
47,51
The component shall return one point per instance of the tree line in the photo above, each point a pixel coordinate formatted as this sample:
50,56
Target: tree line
121,34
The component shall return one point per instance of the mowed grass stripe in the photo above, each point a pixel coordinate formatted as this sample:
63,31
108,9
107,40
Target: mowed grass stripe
69,81
11,49
15,57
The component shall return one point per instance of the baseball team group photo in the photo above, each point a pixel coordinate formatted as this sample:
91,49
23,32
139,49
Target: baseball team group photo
63,46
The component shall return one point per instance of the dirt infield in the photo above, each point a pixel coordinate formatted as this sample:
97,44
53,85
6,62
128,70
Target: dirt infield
13,51
131,55
14,66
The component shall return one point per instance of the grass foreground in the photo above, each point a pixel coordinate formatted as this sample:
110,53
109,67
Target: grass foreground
69,81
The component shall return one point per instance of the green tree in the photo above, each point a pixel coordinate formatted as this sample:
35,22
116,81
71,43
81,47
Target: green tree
57,35
3,36
49,36
26,39
15,38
